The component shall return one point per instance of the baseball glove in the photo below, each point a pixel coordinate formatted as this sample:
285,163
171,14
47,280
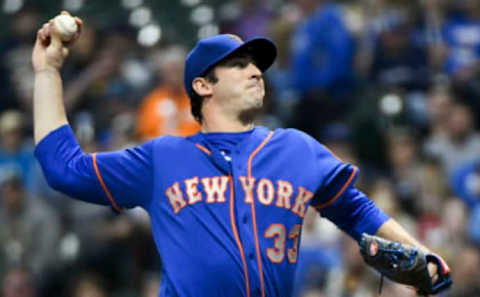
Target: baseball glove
405,264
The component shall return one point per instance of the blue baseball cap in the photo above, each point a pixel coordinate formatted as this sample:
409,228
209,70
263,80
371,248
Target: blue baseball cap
210,51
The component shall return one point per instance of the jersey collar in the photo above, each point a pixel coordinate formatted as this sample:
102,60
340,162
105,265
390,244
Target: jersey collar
241,151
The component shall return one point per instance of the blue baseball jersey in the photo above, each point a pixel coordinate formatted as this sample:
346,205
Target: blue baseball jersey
222,226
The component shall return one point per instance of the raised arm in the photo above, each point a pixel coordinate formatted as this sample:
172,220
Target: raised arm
48,56
120,179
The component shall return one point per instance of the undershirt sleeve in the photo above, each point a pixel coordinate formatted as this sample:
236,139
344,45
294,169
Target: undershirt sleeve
354,213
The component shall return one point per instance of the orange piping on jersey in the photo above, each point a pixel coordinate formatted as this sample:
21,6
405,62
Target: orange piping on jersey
256,151
254,217
237,238
105,189
328,203
203,149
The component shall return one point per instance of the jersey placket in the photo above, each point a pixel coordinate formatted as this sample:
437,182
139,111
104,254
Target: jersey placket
243,218
245,213
242,211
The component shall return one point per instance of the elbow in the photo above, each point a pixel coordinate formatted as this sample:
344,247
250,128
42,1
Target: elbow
55,179
63,162
64,176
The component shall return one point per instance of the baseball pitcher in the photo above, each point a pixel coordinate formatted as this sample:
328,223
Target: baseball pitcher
227,204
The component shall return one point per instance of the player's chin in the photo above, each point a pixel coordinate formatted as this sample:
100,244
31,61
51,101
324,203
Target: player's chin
256,99
255,102
252,104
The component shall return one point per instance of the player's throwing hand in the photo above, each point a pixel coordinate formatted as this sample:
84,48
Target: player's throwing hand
49,51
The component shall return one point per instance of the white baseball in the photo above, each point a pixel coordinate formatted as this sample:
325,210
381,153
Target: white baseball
66,26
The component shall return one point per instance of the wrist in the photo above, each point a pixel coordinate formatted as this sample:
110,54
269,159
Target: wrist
47,69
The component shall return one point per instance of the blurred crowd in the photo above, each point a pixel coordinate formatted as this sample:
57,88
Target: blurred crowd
391,86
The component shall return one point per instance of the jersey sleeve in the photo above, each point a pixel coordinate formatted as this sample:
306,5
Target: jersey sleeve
121,178
331,175
337,199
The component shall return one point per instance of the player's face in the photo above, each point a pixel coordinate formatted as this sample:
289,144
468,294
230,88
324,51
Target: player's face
240,86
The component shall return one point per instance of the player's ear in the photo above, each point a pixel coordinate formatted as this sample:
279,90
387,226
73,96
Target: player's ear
202,87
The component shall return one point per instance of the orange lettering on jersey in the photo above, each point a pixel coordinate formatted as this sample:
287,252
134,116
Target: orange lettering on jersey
191,187
175,197
265,191
215,187
247,185
284,193
301,200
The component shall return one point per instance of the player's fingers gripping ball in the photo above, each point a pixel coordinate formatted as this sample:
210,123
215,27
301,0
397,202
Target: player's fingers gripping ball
54,39
66,26
405,264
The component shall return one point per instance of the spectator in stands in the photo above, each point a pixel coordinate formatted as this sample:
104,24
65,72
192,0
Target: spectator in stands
322,66
16,153
461,34
322,52
467,273
459,143
439,102
166,110
15,69
150,285
455,217
279,76
29,230
397,60
88,285
247,18
406,170
418,183
18,282
465,182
